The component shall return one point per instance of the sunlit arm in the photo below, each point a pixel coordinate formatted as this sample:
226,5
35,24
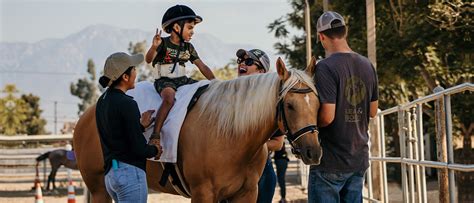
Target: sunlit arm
150,55
326,114
373,108
205,70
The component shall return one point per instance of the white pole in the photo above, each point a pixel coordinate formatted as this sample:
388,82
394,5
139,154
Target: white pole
308,32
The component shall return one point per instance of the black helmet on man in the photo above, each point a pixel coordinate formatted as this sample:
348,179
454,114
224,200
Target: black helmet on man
176,13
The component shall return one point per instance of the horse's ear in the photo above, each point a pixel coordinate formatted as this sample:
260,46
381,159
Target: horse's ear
311,67
281,69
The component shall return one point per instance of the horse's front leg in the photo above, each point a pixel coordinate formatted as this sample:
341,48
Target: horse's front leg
203,194
248,194
49,181
52,178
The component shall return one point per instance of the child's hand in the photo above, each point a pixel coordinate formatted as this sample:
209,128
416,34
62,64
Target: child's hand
157,38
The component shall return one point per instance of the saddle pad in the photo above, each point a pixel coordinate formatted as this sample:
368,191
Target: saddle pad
147,98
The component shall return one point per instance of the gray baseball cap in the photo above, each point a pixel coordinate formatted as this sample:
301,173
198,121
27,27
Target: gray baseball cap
325,20
256,54
117,63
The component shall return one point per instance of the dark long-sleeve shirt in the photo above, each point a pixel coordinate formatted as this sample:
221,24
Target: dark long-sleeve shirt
118,122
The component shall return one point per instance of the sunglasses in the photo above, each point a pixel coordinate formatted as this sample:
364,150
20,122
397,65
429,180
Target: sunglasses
248,62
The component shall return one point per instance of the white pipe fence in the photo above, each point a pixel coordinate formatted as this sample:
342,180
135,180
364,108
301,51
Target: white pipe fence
412,160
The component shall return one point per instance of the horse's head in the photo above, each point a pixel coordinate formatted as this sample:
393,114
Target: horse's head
297,111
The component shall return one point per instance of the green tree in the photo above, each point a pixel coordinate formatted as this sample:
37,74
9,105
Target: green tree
86,88
420,45
34,122
13,112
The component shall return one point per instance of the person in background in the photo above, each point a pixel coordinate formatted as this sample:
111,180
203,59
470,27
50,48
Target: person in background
281,162
250,62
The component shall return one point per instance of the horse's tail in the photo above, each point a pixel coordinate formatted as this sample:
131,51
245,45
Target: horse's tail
43,156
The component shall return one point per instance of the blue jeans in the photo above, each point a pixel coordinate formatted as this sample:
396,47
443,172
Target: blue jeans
329,187
267,184
281,166
127,183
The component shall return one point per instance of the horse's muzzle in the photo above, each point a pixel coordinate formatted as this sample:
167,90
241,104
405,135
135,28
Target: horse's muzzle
311,155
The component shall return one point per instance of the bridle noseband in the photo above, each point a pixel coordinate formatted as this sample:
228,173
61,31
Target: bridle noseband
293,137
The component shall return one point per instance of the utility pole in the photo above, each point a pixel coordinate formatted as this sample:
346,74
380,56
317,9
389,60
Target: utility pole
377,179
371,45
55,117
325,5
307,20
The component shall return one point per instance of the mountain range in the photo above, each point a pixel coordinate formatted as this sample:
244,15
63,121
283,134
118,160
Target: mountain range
47,68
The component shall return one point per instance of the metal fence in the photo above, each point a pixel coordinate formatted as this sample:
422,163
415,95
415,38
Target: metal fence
18,157
412,159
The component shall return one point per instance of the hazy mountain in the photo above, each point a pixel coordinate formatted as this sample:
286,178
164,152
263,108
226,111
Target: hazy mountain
47,68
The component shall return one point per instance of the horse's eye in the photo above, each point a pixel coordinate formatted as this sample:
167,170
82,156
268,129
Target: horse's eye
290,107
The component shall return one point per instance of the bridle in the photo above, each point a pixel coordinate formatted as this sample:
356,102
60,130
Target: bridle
293,137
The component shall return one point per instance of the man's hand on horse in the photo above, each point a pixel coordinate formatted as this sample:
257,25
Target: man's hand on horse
146,119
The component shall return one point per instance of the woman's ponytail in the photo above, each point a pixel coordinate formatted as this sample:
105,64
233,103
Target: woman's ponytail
104,81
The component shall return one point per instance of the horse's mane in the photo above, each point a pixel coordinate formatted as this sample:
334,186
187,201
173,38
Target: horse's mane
241,105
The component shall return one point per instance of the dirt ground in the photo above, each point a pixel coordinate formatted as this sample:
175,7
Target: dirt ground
14,189
21,193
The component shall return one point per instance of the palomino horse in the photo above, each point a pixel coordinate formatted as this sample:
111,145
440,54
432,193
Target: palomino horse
57,158
222,150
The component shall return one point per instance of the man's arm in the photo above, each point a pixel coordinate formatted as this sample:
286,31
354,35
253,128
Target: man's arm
206,71
326,114
373,108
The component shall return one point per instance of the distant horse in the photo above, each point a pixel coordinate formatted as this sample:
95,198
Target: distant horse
57,158
221,150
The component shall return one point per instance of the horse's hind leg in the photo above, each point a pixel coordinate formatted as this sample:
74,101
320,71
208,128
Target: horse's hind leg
101,196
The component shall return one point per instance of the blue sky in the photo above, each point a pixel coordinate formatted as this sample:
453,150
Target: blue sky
232,21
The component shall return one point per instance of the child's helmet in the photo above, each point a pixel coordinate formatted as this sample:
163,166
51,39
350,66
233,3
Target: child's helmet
176,13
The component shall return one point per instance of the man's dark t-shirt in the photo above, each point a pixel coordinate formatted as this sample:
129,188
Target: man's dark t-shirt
349,81
118,123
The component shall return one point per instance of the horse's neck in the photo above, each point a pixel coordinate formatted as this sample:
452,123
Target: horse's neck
255,141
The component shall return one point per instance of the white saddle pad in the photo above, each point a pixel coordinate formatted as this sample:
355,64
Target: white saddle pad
147,98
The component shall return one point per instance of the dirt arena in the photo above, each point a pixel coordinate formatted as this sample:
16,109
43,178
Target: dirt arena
22,193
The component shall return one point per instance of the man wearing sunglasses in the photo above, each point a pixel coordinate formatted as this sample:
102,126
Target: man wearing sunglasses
251,62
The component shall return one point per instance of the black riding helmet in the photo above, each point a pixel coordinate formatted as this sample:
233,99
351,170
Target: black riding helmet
176,13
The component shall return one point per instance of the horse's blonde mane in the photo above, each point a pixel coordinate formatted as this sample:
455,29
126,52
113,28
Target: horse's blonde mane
241,105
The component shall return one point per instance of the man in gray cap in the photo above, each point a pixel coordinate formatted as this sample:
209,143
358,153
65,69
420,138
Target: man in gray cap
120,128
252,61
347,87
